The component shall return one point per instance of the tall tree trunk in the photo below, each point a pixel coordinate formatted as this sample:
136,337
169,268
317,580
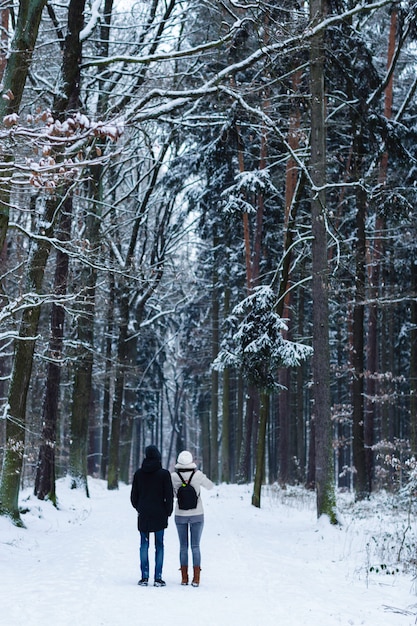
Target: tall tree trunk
108,376
67,99
284,407
240,420
260,449
122,350
311,461
321,356
361,480
299,398
215,346
129,411
300,426
103,51
257,247
83,370
21,373
45,471
225,474
389,427
294,183
273,441
284,426
413,358
82,396
226,409
203,409
252,263
374,283
244,471
4,361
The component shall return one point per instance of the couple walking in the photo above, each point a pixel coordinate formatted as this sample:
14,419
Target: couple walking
152,496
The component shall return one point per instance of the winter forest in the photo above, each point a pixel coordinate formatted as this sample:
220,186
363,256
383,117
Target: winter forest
208,241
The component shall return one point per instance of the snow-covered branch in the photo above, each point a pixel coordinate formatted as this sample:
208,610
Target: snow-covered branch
92,22
163,56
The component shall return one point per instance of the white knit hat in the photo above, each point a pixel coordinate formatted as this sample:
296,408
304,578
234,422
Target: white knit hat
185,461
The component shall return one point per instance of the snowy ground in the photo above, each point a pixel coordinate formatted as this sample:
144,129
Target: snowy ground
276,565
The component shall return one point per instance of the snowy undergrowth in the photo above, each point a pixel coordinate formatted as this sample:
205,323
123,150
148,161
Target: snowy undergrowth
387,526
383,529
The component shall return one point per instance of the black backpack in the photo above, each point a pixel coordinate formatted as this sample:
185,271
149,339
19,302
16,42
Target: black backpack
186,494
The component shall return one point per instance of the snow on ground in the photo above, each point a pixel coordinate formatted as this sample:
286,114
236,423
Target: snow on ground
277,565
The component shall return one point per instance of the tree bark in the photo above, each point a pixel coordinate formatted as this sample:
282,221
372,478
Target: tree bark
203,409
413,358
83,369
122,351
45,471
361,480
260,449
226,410
21,373
321,356
215,346
374,284
105,438
245,466
284,426
67,97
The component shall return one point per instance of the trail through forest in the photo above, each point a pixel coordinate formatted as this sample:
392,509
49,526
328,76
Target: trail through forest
273,566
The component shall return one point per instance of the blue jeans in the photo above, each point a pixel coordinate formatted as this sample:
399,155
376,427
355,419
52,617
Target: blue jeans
159,554
195,529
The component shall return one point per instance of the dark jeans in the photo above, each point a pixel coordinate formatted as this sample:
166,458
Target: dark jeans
194,530
159,554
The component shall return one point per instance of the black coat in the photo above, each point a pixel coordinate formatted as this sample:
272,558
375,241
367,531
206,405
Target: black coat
152,496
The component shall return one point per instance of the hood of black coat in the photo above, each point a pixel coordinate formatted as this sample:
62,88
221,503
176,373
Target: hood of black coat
151,465
152,460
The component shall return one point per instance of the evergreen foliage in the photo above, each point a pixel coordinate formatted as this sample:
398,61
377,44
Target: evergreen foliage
256,346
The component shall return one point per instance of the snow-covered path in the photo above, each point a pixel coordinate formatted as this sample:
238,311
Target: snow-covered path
79,566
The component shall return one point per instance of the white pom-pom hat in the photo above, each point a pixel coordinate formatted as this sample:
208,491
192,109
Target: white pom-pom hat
185,461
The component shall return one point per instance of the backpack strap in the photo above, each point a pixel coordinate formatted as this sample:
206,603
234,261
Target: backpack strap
185,482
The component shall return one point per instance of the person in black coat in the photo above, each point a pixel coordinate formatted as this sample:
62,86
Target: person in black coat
153,498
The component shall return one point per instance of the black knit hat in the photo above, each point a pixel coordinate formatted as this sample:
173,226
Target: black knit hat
152,452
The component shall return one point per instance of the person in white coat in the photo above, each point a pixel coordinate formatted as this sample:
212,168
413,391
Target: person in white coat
189,522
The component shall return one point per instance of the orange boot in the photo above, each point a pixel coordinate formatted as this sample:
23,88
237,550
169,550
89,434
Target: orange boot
184,575
196,577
